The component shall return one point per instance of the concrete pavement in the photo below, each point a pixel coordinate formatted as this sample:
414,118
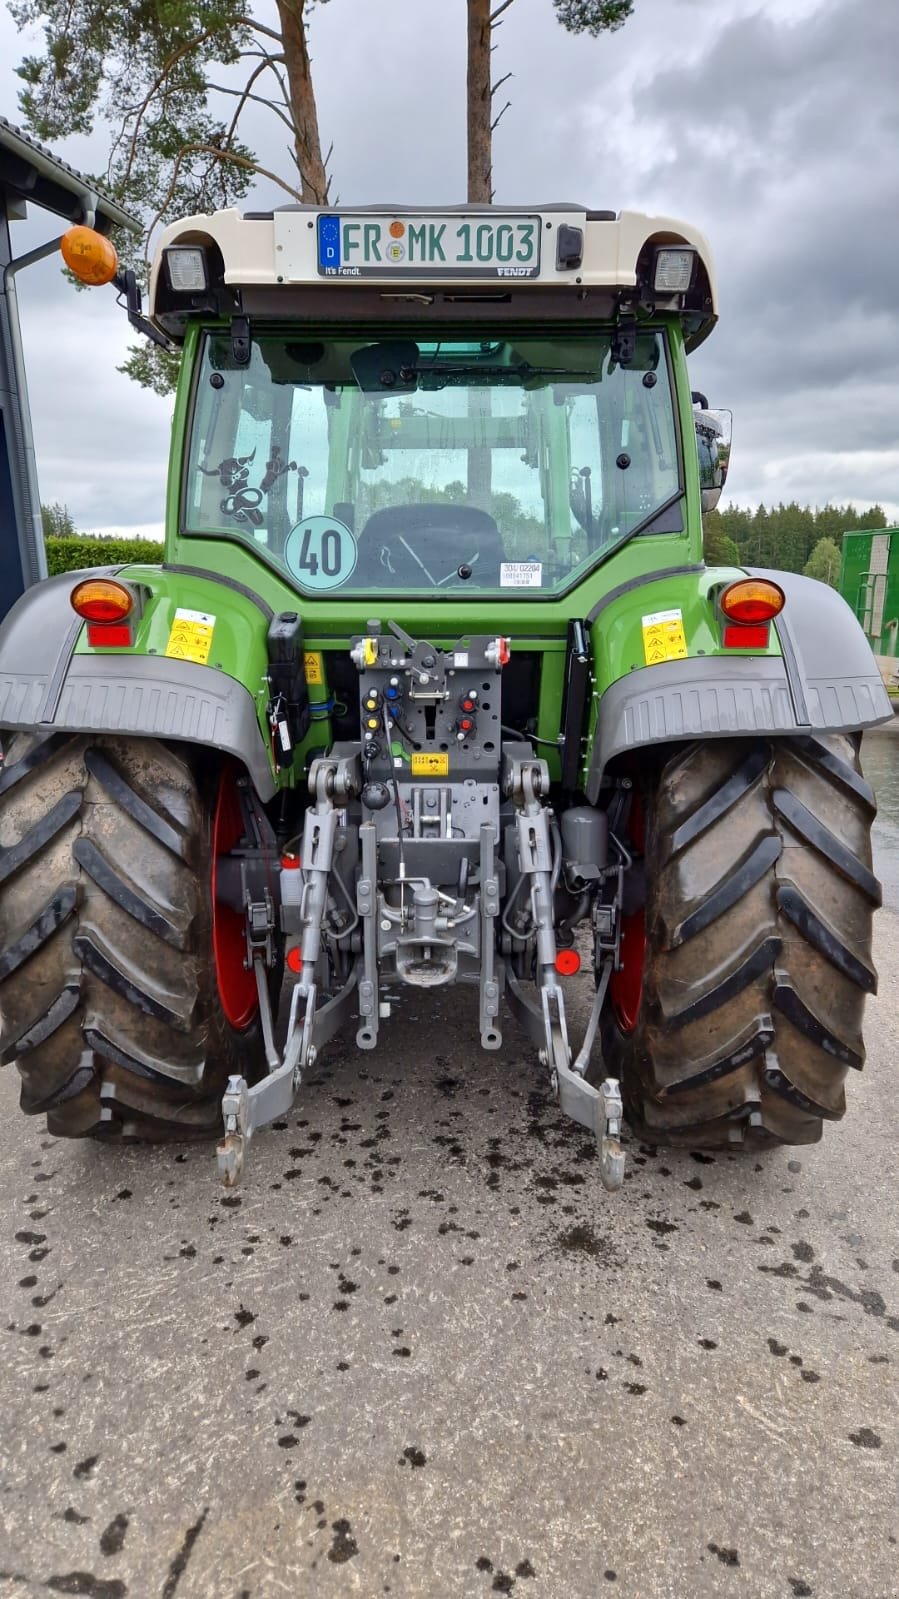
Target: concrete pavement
423,1353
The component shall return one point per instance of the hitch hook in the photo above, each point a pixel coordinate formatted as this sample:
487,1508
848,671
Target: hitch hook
610,1113
230,1153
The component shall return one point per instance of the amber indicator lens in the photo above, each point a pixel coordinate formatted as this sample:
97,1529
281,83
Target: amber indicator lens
752,600
89,255
100,599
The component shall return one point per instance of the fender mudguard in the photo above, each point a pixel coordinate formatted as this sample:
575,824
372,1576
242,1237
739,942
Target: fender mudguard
826,680
46,687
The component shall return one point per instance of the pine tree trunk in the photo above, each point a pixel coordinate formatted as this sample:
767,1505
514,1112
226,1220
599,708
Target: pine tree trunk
313,178
480,164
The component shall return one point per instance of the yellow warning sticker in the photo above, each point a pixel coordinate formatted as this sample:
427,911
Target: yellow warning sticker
314,670
190,638
430,765
663,637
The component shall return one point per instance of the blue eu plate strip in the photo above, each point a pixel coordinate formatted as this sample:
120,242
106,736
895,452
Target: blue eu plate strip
328,243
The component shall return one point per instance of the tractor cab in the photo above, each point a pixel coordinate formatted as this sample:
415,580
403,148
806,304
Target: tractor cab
497,441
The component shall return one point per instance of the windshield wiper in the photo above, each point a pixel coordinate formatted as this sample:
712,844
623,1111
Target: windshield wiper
517,372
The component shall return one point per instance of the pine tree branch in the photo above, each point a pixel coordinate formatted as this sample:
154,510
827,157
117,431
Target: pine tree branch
244,94
499,83
499,11
167,65
269,33
274,62
498,119
244,97
287,117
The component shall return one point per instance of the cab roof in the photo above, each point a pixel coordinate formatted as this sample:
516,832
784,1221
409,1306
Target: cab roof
397,263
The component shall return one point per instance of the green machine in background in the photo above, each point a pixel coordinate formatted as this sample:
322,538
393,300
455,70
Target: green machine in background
433,687
869,582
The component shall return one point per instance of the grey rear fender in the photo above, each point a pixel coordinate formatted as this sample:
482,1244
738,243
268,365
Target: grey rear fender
45,687
826,681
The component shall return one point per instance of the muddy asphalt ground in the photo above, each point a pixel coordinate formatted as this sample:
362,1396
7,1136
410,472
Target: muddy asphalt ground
422,1353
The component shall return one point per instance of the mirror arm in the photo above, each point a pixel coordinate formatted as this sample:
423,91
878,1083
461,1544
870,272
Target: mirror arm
127,285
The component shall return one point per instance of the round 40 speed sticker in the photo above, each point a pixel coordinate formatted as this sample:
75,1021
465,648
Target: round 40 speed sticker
320,553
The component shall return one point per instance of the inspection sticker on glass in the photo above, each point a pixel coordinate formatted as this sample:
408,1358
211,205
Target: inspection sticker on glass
190,638
520,574
663,637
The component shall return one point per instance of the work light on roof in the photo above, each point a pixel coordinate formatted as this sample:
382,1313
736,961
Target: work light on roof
674,269
186,267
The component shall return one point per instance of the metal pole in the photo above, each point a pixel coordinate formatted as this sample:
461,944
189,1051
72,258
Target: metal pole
20,547
26,493
15,406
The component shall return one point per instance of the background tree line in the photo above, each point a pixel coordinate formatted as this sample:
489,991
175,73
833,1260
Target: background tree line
794,538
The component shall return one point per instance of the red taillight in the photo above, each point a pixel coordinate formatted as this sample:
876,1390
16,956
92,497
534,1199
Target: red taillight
752,599
294,959
743,637
101,599
109,635
568,961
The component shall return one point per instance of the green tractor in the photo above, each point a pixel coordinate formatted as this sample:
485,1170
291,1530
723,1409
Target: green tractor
433,686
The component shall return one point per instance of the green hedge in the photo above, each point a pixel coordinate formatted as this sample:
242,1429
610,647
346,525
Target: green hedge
69,555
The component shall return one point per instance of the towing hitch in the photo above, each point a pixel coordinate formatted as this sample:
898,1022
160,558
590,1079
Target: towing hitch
400,916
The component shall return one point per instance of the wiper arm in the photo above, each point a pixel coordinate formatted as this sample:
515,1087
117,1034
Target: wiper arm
418,560
516,373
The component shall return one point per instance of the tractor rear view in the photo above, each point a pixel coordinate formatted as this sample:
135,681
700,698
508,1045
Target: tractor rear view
434,687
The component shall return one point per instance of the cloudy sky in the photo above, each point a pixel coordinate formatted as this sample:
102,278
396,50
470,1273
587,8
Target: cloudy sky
771,124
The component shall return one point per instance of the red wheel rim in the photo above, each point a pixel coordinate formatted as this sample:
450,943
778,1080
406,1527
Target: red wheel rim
626,986
236,986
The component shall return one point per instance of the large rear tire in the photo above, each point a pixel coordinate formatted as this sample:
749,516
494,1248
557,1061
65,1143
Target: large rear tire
739,1011
120,996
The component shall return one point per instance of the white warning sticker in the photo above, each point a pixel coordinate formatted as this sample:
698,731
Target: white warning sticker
520,574
190,636
663,637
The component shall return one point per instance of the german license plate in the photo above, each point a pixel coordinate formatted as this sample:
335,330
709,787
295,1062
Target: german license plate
366,246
